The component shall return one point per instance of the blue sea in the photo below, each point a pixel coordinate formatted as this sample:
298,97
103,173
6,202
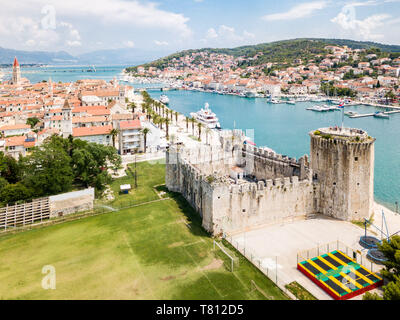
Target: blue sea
281,127
67,73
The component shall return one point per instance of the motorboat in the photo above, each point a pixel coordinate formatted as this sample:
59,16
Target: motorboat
206,117
164,99
350,113
381,115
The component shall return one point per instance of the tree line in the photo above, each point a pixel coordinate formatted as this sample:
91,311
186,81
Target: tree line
58,165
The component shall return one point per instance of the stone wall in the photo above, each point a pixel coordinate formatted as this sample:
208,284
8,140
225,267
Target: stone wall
227,207
337,182
71,202
238,207
265,165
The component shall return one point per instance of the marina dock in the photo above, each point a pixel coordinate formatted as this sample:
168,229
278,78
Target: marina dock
372,114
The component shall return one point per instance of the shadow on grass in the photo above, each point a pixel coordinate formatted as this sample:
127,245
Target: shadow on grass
193,217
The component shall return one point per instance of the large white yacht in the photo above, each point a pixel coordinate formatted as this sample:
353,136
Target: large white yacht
164,99
206,117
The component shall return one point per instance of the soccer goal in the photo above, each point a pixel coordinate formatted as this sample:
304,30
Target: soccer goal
228,257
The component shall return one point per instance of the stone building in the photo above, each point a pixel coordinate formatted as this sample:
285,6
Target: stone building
337,181
16,74
66,122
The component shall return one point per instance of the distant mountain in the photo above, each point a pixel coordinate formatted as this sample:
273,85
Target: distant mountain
102,57
122,56
39,57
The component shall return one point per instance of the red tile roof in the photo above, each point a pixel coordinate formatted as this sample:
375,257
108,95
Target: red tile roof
130,124
16,64
91,131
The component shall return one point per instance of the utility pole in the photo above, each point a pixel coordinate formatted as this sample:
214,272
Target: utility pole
135,174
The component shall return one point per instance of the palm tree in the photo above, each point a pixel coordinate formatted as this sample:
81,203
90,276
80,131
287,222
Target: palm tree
143,107
192,120
133,106
145,132
176,117
199,125
187,124
114,133
156,120
167,122
171,112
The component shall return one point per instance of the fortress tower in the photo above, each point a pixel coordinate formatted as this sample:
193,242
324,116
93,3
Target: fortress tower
16,75
66,123
342,164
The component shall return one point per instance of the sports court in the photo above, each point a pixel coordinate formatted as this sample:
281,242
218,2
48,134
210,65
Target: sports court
275,248
339,275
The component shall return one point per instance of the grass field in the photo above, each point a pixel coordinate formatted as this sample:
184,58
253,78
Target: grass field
153,251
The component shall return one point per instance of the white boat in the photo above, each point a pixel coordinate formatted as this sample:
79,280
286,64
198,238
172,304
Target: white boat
381,115
164,99
350,113
318,108
206,117
291,102
275,101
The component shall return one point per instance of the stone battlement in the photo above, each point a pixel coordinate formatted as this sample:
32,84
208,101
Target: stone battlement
343,136
262,153
268,185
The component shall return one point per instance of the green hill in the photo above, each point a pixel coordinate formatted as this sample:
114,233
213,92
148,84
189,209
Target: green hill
281,52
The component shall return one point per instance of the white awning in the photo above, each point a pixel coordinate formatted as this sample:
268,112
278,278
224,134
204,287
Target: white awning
125,187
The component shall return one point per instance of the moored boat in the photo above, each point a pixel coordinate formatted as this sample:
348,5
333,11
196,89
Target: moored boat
206,117
164,99
381,115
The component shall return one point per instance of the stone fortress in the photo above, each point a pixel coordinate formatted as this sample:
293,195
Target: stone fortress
235,186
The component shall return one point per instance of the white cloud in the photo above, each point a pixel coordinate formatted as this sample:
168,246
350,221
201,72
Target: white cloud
161,43
226,35
72,34
299,11
129,44
121,12
248,34
211,34
30,42
21,24
367,29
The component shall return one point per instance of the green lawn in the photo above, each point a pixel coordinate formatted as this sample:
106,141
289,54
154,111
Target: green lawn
153,251
299,291
150,174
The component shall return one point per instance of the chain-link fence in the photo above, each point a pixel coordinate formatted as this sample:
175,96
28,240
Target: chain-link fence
270,267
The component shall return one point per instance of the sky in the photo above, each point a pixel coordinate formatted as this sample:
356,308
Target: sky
80,26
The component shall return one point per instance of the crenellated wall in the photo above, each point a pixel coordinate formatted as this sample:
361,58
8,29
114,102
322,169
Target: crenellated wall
239,207
264,164
337,182
228,207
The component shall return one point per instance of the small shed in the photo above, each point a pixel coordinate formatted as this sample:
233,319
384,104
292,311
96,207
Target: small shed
124,188
237,173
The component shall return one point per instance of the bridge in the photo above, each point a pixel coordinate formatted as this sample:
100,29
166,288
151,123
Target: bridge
156,88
